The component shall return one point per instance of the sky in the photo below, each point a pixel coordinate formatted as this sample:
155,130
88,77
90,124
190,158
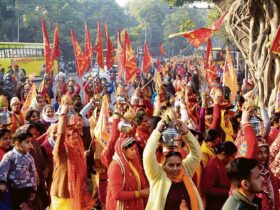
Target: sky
122,2
197,4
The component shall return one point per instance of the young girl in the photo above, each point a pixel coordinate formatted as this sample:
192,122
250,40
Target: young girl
5,141
48,115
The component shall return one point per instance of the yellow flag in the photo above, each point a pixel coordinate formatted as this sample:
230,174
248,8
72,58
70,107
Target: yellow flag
230,79
31,94
158,80
102,128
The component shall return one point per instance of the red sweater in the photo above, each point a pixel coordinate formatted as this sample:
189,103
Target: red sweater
216,184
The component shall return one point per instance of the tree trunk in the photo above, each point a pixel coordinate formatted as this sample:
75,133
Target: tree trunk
253,25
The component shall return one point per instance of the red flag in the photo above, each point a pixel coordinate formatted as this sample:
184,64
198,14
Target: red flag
217,25
198,36
55,52
161,50
147,61
275,47
88,48
210,65
47,49
130,60
98,47
120,57
208,52
79,56
110,49
159,65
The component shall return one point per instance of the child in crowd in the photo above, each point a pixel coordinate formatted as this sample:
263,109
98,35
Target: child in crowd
17,172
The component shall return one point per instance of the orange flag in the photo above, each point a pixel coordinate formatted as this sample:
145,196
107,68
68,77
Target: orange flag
110,49
199,36
210,65
217,25
55,52
275,47
98,47
161,50
148,60
277,103
79,56
102,128
47,49
120,57
88,48
230,78
130,61
31,94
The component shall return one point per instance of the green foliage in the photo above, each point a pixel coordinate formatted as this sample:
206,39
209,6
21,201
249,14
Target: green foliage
69,14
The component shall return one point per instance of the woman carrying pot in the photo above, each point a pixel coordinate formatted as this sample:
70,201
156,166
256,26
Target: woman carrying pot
171,186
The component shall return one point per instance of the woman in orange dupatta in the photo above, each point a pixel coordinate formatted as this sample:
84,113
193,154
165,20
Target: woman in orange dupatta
127,185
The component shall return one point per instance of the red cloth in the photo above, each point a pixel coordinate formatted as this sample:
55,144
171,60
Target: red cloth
108,152
122,181
273,134
216,123
216,184
2,153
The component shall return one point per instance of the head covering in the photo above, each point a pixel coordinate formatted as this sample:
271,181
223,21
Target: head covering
130,168
14,100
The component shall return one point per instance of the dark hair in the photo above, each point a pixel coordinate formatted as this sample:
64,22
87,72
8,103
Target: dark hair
21,135
129,145
227,147
173,153
139,117
240,169
211,135
199,135
30,113
4,131
154,121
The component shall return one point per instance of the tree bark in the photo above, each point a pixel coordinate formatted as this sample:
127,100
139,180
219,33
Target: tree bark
253,25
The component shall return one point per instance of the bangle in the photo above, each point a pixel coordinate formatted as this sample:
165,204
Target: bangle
136,194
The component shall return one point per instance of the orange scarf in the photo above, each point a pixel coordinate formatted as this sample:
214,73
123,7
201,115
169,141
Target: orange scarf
190,188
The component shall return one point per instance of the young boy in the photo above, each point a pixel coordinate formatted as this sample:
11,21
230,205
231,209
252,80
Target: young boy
17,171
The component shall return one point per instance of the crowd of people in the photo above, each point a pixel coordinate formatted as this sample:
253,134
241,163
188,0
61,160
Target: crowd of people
176,141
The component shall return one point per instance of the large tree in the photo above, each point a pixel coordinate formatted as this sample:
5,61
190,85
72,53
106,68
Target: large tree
252,25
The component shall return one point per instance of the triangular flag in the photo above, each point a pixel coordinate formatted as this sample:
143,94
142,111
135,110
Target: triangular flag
31,94
275,47
79,56
98,47
230,78
47,49
147,60
130,61
110,49
102,128
55,51
88,48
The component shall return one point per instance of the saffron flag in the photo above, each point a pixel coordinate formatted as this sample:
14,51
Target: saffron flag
47,49
277,103
147,61
55,51
79,56
98,47
217,25
161,50
110,49
275,47
102,128
210,65
88,48
230,78
27,103
120,57
130,61
199,36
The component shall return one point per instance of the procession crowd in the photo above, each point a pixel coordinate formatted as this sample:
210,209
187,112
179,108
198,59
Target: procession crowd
171,140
